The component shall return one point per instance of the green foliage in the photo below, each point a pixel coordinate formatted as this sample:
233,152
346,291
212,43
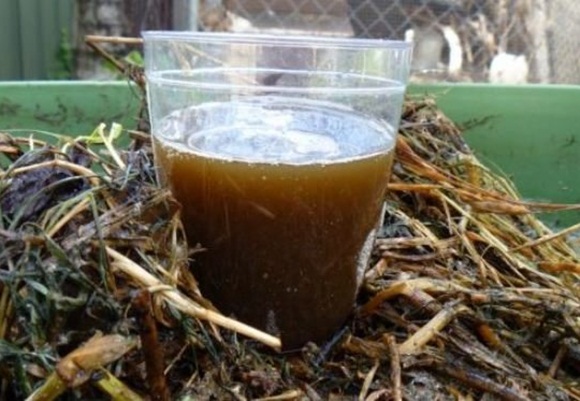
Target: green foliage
133,59
64,63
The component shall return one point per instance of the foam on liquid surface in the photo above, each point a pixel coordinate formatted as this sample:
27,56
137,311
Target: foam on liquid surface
276,130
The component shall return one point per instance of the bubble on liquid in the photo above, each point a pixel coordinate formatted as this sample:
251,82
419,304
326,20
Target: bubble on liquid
306,142
265,144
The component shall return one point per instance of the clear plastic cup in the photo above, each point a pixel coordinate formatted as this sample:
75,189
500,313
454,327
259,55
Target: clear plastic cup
279,150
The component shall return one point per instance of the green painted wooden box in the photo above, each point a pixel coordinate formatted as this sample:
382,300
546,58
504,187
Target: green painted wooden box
530,133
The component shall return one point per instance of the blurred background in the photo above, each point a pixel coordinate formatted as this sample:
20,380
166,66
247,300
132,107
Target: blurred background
498,41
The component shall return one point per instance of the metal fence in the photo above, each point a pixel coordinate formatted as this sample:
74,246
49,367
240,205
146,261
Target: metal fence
34,38
504,41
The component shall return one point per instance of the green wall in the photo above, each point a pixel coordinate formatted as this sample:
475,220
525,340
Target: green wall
31,33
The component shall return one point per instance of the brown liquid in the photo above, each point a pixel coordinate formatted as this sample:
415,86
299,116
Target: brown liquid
283,240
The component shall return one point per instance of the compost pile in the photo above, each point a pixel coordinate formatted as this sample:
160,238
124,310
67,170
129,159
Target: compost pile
468,296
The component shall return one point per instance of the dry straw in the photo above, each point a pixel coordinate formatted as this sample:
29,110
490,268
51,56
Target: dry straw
468,293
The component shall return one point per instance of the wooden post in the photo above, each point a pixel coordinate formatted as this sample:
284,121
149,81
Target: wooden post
538,27
185,15
564,38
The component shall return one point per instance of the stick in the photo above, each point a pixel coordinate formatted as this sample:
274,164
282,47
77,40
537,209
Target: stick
52,388
115,388
118,40
150,348
480,382
397,394
79,207
368,381
549,237
107,56
75,168
562,351
76,368
288,395
430,330
187,306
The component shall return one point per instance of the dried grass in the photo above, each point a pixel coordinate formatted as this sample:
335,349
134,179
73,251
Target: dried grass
469,295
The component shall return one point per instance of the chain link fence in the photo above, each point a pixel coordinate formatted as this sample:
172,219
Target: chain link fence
501,41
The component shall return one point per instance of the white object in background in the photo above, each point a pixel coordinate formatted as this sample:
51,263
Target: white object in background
240,24
508,68
429,43
455,50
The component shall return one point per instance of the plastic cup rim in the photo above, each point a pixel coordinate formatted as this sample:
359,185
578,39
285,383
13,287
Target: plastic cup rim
304,41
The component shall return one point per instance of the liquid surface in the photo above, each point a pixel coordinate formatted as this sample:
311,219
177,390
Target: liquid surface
283,218
276,130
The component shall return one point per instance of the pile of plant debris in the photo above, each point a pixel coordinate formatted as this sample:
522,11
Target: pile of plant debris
469,295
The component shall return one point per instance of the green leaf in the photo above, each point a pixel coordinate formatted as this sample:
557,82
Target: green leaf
135,58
